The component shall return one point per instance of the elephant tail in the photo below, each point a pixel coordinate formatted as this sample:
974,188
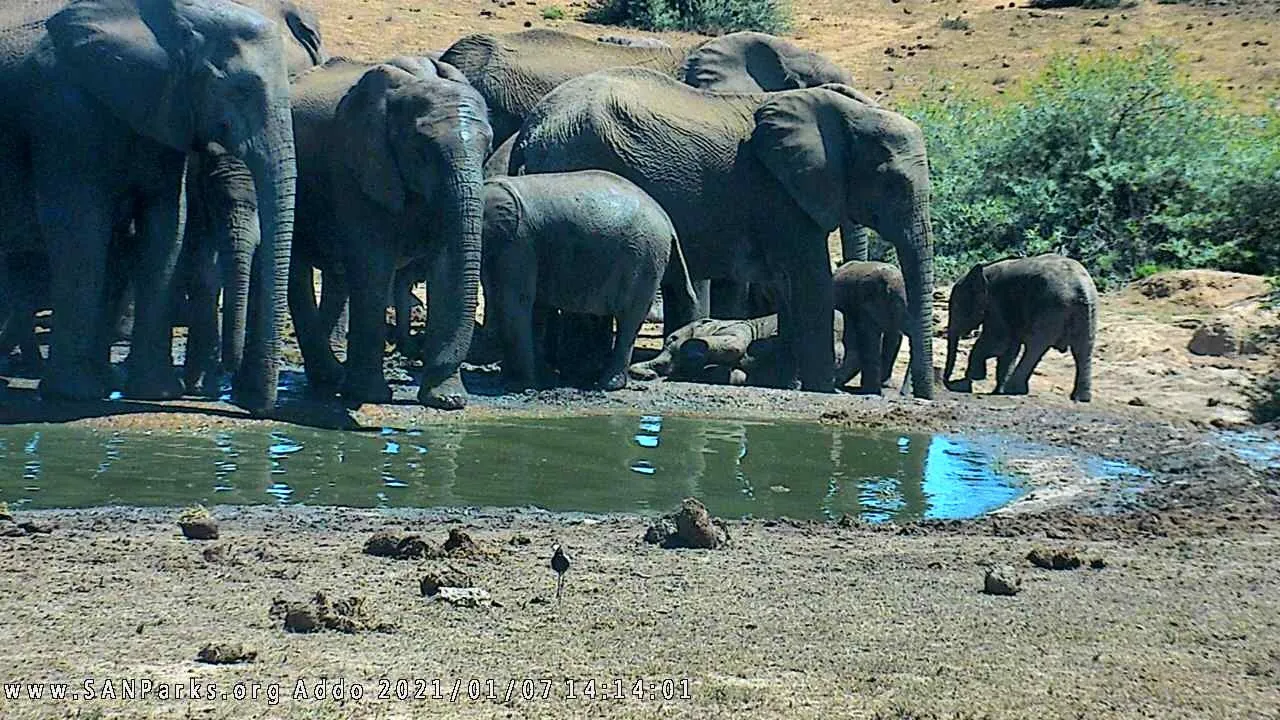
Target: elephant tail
677,273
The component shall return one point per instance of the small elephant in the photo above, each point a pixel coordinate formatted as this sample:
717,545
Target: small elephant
589,243
1037,302
390,159
727,352
873,299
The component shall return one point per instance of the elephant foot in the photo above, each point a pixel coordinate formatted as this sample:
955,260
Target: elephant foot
325,378
363,388
82,383
447,395
161,385
616,381
960,386
204,383
866,391
1011,390
1083,396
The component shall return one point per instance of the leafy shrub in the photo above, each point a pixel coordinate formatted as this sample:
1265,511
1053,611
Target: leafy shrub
704,16
953,23
1116,160
555,12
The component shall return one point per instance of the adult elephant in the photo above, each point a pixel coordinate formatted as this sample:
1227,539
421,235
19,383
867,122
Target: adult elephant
222,230
102,99
390,165
753,183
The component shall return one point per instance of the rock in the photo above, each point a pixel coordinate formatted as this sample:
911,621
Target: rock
691,527
386,543
1137,401
1002,580
1060,559
464,597
347,615
1216,338
1097,563
225,654
432,583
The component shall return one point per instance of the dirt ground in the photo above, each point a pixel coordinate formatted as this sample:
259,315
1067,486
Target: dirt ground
789,619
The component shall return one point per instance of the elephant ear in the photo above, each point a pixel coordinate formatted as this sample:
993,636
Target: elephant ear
136,59
305,28
802,142
362,138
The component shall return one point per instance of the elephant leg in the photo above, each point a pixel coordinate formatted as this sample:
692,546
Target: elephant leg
1017,384
853,241
333,305
520,350
624,341
890,345
202,365
1082,353
324,372
74,215
161,226
1004,363
986,346
851,364
369,281
869,344
814,308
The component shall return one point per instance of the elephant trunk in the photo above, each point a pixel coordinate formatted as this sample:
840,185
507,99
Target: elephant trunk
245,237
915,255
451,311
272,162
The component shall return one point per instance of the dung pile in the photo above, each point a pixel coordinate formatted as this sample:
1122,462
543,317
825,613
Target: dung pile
691,527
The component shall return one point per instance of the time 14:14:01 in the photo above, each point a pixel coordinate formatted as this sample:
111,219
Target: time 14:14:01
618,689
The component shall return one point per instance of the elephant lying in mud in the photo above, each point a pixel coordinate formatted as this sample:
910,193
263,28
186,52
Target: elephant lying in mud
588,243
726,352
1028,305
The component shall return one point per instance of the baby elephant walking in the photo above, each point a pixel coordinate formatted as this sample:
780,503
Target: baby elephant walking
1037,302
873,299
586,242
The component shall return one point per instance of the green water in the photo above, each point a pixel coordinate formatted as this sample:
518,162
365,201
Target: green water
622,463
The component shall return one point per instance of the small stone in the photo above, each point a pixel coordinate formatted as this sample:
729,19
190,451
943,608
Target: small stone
1137,401
225,654
1215,338
1097,563
1002,580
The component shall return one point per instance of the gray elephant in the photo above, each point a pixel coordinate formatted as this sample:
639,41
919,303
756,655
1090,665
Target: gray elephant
754,183
24,288
727,352
390,165
873,300
515,71
1025,305
586,242
100,100
222,230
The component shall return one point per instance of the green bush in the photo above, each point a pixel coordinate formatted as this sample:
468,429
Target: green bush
704,16
1117,160
555,12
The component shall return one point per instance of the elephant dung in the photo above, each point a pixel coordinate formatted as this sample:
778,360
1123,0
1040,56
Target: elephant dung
197,524
1002,580
1060,559
386,543
1221,337
460,545
348,615
691,527
432,583
225,654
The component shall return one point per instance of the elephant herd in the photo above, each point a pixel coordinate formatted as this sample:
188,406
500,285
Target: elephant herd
163,153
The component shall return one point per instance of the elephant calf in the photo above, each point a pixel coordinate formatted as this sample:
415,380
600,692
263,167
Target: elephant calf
587,242
727,352
1037,302
873,298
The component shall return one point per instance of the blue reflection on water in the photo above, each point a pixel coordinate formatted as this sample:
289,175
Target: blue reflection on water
960,482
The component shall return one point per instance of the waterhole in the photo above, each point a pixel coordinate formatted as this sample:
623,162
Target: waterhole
603,464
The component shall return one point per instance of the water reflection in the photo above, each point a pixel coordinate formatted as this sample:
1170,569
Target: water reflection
616,463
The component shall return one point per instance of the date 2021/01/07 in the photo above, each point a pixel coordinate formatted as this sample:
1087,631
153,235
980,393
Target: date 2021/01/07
534,689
